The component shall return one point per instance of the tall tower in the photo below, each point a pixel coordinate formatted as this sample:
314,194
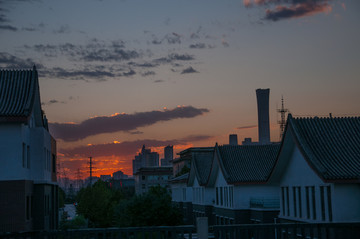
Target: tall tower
233,140
262,96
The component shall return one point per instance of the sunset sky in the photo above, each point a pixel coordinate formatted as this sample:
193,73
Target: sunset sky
117,74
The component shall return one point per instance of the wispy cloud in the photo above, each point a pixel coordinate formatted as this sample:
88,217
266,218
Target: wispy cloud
175,57
10,61
53,101
247,127
120,122
94,51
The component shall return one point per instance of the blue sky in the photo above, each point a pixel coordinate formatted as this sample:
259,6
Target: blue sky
179,72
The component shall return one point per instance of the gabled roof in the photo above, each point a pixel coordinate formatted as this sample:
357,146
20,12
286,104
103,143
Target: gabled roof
180,179
330,145
18,91
201,163
241,164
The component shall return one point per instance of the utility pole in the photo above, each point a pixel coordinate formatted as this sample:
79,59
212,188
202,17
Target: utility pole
282,122
91,168
78,179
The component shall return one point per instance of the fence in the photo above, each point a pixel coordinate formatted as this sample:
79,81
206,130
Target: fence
288,231
240,231
162,232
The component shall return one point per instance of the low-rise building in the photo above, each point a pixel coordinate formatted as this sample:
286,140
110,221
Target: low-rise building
28,187
148,177
318,170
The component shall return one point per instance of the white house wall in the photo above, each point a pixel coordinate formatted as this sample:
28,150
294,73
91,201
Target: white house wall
244,193
12,137
15,141
346,202
300,177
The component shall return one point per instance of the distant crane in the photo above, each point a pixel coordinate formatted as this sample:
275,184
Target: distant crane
282,122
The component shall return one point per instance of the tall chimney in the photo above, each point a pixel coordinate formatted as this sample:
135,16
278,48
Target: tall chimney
262,96
233,140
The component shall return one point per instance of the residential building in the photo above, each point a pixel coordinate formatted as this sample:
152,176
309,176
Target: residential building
28,187
318,170
145,158
182,164
147,177
119,175
168,156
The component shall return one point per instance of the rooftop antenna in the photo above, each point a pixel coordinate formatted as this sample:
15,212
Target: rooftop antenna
282,121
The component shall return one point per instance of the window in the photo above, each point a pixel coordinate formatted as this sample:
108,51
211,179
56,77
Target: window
217,196
221,197
307,202
283,200
329,202
300,201
23,155
143,177
313,202
226,196
287,201
231,196
184,194
294,199
53,163
322,200
28,156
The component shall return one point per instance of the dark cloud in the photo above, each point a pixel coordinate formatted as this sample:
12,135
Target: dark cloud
120,122
53,101
127,148
189,70
10,61
175,57
148,73
144,65
62,29
198,46
87,72
94,51
287,9
129,73
247,127
8,28
296,11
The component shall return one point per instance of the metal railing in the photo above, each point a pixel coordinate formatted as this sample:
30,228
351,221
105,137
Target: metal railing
288,231
238,231
161,232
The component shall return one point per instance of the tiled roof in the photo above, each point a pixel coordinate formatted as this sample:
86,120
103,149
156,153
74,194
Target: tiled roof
17,92
202,163
181,178
331,145
247,163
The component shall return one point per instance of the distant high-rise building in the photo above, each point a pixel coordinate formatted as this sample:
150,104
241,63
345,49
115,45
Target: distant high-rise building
262,96
233,139
145,159
168,155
